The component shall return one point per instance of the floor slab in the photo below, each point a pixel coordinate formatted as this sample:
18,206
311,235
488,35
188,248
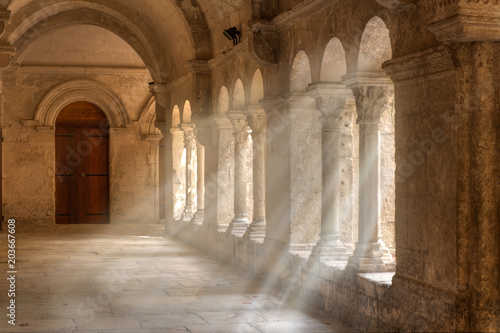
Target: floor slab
102,279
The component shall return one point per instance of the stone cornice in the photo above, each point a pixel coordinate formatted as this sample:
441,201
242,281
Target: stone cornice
467,21
434,62
80,69
364,79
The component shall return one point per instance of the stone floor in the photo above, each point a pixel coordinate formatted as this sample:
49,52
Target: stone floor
100,279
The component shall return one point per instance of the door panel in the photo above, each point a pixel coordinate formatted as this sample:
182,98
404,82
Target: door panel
66,163
82,166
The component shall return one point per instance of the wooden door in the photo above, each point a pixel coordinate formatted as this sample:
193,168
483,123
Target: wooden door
82,165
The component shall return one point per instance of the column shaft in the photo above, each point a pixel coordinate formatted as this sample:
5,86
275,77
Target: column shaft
239,224
200,186
257,122
190,145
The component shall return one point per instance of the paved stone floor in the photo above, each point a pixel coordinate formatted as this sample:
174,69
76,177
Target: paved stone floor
101,279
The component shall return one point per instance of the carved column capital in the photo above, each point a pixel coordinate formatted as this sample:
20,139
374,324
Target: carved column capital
332,98
189,136
372,91
256,117
241,128
370,103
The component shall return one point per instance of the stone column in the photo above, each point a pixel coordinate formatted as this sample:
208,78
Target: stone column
164,123
219,194
257,122
372,94
199,216
190,145
240,222
179,173
332,99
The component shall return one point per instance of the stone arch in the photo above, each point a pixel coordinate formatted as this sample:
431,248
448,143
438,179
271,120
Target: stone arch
300,76
59,15
375,47
223,101
85,91
257,88
238,95
334,64
176,117
186,113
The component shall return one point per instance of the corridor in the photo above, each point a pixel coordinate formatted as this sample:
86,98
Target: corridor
132,279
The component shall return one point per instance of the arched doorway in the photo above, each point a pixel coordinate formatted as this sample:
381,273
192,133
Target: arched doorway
82,165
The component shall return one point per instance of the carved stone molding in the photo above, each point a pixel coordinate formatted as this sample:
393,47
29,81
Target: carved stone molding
202,86
467,20
434,62
263,42
81,90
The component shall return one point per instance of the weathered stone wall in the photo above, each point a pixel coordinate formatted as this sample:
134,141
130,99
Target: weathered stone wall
31,153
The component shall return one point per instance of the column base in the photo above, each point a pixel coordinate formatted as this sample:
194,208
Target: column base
187,214
367,258
330,248
238,225
386,253
257,230
199,217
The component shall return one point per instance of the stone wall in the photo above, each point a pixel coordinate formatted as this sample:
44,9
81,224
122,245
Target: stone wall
31,151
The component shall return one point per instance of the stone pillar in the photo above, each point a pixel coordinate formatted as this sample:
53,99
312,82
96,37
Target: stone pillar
219,176
257,122
332,99
470,31
179,173
305,134
164,123
199,216
372,94
204,141
277,169
240,222
190,146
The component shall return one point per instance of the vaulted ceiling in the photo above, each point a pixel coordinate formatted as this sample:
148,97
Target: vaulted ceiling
165,34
